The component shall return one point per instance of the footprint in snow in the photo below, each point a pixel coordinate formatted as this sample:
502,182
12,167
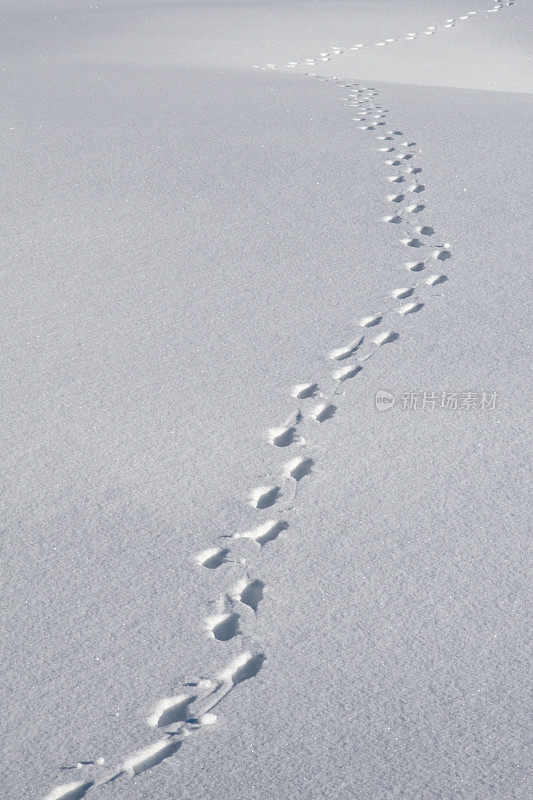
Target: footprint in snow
410,308
264,496
385,338
70,791
298,468
347,372
171,710
223,627
304,390
283,436
213,557
341,353
323,412
442,254
242,668
433,280
266,532
371,321
150,757
412,242
402,293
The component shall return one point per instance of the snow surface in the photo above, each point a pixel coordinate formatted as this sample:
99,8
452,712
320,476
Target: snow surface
226,574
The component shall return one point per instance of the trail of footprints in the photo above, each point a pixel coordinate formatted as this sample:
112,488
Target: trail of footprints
335,51
181,715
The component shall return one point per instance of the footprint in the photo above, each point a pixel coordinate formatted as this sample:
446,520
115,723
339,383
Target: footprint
415,208
223,627
393,162
340,353
171,710
385,338
415,266
370,322
304,390
396,198
70,791
426,230
347,372
416,188
284,436
401,294
442,255
298,468
251,593
433,280
323,412
414,170
385,149
150,756
242,668
264,496
212,558
410,308
266,532
394,219
412,242
396,179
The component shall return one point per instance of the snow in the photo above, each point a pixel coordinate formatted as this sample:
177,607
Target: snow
204,508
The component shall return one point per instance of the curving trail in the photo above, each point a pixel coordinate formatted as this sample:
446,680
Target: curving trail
421,253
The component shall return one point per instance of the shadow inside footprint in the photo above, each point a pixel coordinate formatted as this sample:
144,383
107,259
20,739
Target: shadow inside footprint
271,533
171,710
252,594
216,559
285,437
151,756
302,469
249,669
268,498
227,628
72,791
325,413
305,392
434,280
